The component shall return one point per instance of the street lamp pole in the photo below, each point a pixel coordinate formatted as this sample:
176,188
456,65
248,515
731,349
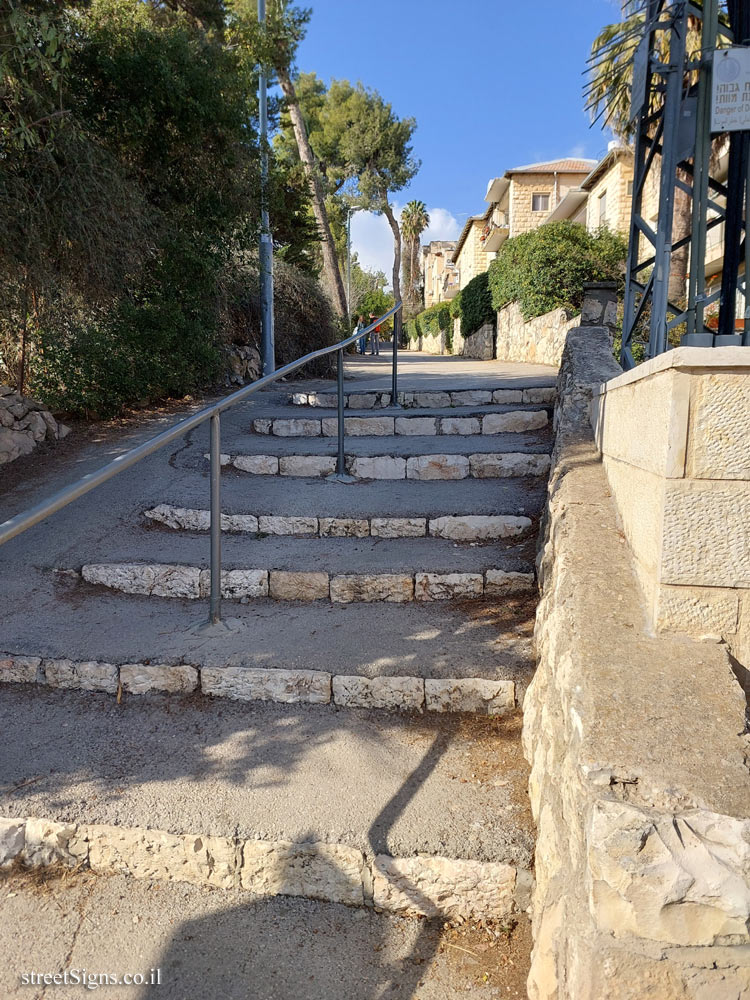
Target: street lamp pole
268,352
349,213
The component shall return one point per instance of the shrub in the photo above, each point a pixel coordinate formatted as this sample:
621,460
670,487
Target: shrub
435,320
476,305
546,268
456,306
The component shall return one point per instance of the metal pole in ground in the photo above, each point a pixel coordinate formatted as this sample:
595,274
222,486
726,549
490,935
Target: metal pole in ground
214,615
268,350
394,371
340,460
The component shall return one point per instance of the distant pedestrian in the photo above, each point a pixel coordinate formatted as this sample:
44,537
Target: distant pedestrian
375,336
362,342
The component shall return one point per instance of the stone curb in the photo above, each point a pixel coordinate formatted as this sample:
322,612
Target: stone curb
289,687
192,583
512,422
482,465
336,873
459,527
435,398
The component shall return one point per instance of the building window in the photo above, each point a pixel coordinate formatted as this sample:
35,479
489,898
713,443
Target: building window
540,203
603,208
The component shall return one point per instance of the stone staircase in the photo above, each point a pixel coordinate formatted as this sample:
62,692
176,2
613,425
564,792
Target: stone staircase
352,733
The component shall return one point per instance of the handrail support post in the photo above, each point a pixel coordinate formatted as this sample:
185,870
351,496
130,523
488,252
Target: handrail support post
214,615
340,475
394,370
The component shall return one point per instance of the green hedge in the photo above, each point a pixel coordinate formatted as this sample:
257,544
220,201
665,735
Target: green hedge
476,305
546,268
435,320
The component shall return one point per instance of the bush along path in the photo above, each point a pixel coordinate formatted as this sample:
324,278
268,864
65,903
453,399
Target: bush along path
352,735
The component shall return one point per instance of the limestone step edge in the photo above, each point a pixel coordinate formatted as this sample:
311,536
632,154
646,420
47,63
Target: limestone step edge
481,465
419,886
193,583
477,695
511,422
436,397
457,527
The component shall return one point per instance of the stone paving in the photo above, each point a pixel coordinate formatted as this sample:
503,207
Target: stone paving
431,561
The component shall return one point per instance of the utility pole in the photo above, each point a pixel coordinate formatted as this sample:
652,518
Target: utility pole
268,351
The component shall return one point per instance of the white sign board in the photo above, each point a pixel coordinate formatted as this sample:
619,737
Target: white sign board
730,92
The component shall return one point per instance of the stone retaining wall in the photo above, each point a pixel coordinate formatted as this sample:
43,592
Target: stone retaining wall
24,423
639,782
674,437
481,344
539,341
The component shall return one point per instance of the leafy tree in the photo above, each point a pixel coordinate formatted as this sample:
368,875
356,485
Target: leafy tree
276,45
375,149
414,221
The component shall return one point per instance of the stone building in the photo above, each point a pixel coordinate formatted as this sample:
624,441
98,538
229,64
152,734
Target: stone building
471,256
523,198
439,274
604,196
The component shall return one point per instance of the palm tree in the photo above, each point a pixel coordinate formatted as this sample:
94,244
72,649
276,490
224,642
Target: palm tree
610,79
414,221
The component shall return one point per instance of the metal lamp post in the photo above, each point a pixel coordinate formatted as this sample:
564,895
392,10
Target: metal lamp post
268,351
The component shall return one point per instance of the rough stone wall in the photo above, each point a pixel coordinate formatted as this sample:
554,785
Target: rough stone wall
639,782
24,423
480,344
539,341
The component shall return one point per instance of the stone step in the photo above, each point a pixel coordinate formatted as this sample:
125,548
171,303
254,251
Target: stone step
414,819
397,693
418,466
510,422
432,398
489,640
192,583
459,527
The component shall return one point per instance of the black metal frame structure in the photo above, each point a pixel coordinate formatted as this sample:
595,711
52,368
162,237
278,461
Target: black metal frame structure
671,106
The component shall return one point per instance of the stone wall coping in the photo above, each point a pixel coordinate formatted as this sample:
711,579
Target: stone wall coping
686,359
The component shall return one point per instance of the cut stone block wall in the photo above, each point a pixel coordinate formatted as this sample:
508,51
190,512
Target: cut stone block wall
539,341
639,783
674,438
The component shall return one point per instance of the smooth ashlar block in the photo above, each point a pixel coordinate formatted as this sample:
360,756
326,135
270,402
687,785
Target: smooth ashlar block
155,580
344,527
257,465
377,467
276,525
515,422
290,586
492,465
426,467
415,426
307,465
460,425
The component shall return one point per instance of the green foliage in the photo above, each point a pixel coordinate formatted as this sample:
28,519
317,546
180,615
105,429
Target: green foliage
456,306
546,268
435,320
376,302
476,305
130,200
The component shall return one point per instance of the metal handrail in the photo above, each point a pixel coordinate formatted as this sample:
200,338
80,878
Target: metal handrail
22,522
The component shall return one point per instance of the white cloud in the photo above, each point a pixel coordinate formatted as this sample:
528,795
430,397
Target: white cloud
373,240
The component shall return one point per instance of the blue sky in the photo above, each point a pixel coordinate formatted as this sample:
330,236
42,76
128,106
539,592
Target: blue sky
492,84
